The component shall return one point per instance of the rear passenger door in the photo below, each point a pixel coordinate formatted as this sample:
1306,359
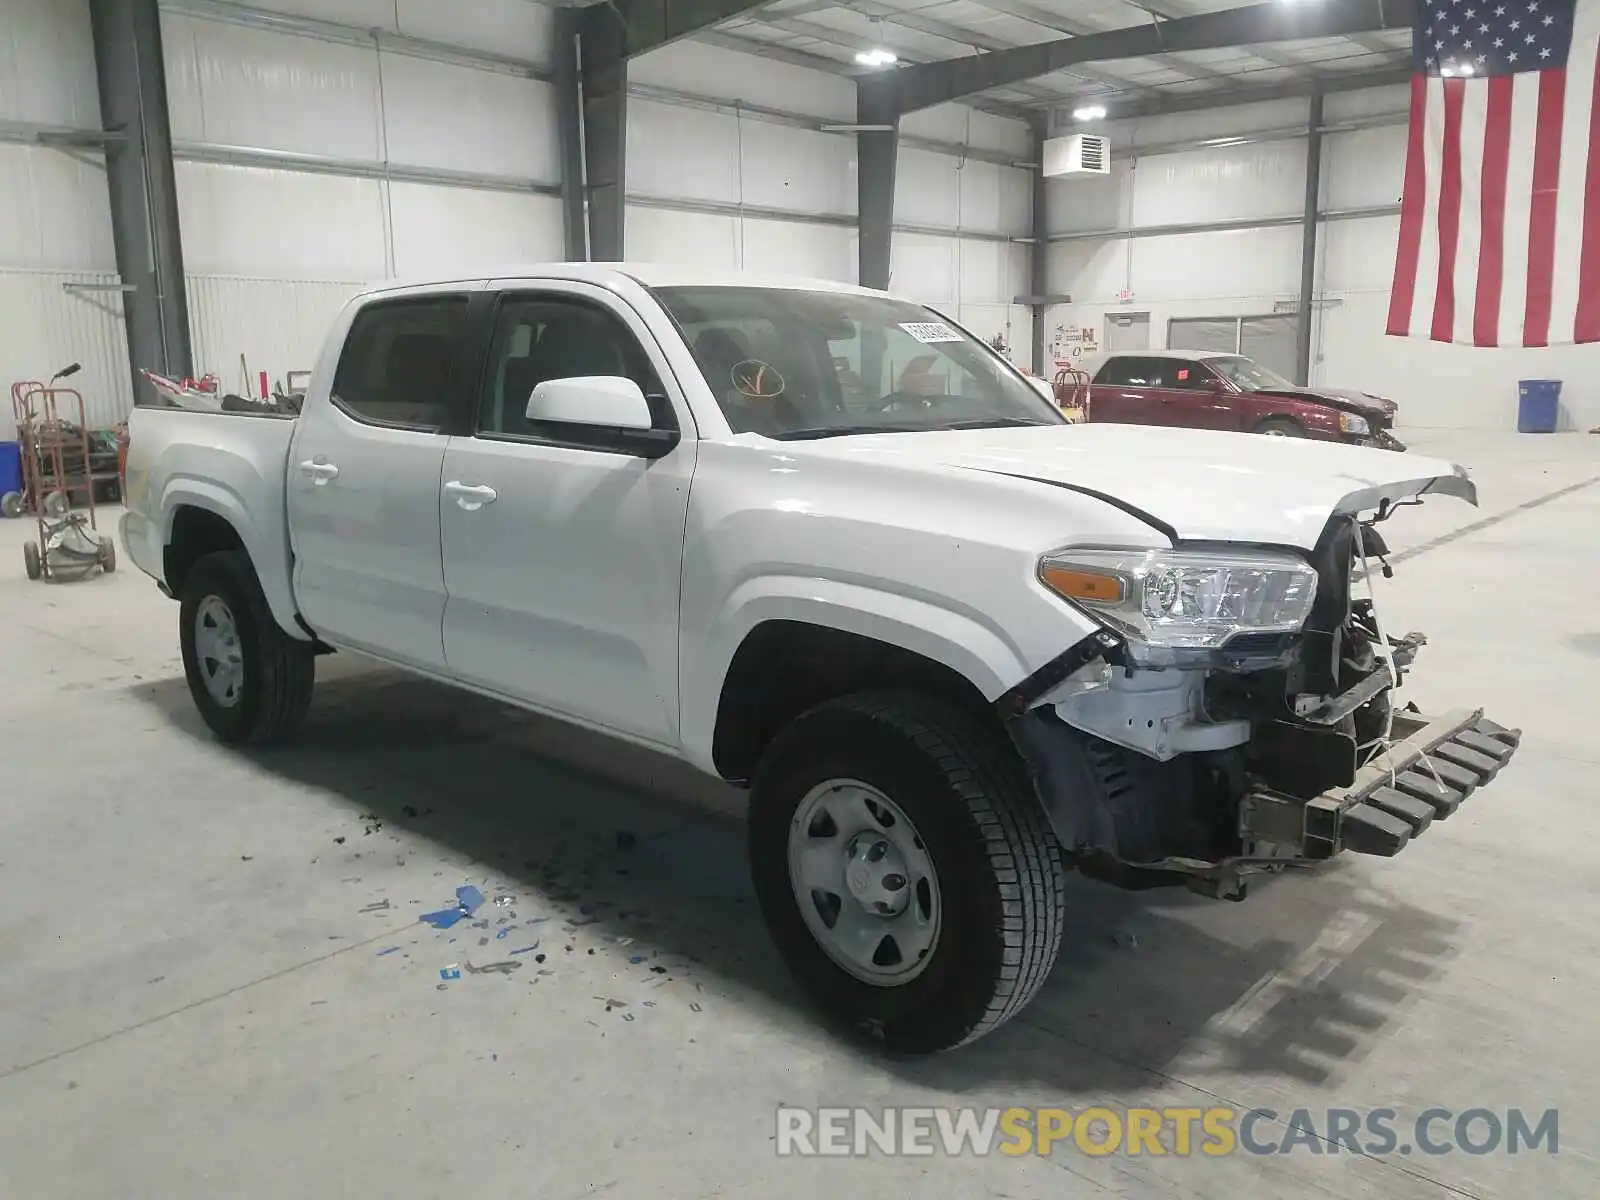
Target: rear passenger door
1193,396
363,479
1125,391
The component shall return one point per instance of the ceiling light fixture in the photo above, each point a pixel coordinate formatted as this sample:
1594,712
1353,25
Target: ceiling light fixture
1090,112
877,57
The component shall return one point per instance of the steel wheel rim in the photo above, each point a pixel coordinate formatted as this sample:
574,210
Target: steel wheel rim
218,652
865,882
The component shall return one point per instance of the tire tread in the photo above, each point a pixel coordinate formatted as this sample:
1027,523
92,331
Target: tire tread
982,769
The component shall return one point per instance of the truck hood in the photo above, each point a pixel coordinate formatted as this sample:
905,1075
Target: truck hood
1192,484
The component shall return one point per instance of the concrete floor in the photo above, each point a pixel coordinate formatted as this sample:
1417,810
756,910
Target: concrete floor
195,1002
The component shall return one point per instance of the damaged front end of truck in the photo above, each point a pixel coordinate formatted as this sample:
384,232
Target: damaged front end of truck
1234,714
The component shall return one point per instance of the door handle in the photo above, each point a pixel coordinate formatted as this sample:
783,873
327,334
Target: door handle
471,496
319,472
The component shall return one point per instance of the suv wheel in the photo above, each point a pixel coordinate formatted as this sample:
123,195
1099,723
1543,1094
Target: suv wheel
906,869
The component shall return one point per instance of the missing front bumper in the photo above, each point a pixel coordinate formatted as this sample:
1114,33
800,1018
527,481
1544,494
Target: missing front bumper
1100,800
1435,764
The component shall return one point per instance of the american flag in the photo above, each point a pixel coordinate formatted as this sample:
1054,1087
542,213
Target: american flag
1500,220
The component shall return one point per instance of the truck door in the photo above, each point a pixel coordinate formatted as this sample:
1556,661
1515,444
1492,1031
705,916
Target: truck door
562,553
363,480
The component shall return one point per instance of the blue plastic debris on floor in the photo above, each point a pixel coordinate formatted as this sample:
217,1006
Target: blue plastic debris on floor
468,901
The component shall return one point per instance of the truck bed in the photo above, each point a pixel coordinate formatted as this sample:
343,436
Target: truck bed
232,465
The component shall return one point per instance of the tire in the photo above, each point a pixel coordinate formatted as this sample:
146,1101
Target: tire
11,504
108,555
31,561
1281,427
999,874
272,687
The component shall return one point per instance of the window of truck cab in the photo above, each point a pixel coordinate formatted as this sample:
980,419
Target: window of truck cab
400,365
543,336
797,363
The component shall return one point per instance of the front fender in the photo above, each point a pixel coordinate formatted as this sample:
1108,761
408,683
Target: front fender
268,549
978,651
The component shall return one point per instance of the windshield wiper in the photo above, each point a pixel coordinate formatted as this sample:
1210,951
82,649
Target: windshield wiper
995,423
828,431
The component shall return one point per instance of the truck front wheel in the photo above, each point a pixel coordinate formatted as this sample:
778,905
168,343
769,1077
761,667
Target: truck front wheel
251,681
905,869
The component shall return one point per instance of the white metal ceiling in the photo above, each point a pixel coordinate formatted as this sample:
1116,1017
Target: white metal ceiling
833,31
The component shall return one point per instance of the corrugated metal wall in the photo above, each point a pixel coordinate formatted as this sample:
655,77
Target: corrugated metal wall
276,325
47,327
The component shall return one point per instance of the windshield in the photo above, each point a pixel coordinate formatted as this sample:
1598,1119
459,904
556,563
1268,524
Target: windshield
798,364
1246,375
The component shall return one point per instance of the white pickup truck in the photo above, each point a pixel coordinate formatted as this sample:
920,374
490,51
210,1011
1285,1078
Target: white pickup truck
825,543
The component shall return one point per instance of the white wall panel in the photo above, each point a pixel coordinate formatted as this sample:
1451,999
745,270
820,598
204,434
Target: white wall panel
276,324
684,153
1233,264
710,71
280,224
47,327
798,170
1262,179
47,63
968,127
927,189
442,115
441,232
696,154
54,211
1084,203
249,87
1357,256
1364,167
951,193
511,27
792,248
696,239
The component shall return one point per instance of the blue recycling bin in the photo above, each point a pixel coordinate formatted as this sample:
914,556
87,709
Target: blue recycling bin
1538,405
10,467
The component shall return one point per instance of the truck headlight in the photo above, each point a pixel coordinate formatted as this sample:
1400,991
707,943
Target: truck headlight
1350,423
1185,599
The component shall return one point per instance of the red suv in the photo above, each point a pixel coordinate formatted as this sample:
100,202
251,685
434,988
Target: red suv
1204,390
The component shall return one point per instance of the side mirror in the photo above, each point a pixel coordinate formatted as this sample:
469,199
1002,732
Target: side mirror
1044,387
591,400
612,412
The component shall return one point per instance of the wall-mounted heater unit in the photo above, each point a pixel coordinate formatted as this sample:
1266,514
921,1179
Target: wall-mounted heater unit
1077,154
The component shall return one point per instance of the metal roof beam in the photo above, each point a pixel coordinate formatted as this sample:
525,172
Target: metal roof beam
648,24
832,66
837,37
1343,81
936,83
1045,19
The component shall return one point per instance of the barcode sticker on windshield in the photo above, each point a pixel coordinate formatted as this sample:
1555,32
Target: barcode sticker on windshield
929,332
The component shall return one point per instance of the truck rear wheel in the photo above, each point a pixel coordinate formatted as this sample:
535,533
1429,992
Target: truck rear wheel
905,869
251,681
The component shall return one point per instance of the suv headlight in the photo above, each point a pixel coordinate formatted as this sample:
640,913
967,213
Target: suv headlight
1350,423
1185,599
